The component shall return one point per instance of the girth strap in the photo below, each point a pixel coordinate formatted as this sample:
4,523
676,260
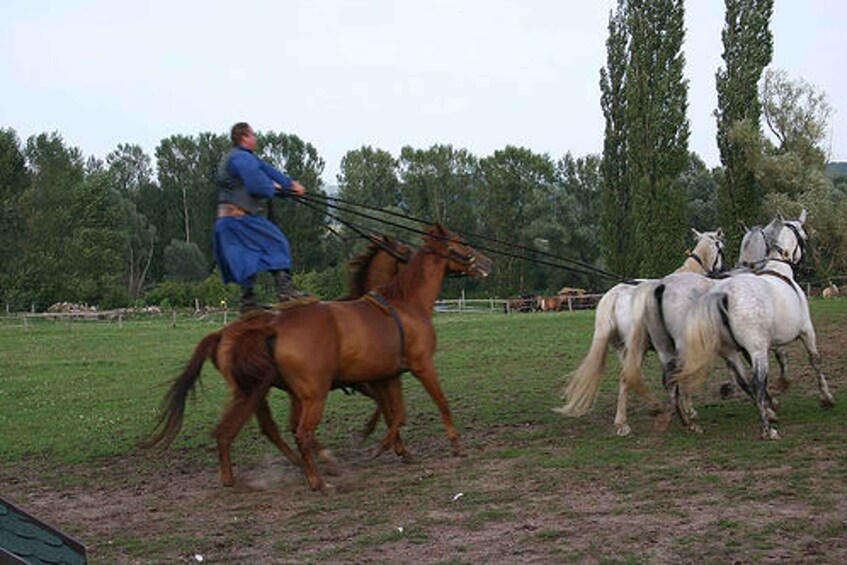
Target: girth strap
386,306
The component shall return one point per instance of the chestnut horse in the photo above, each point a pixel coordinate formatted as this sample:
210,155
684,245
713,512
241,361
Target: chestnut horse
319,346
378,264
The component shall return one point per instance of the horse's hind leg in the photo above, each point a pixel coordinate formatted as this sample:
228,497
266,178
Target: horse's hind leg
323,453
622,427
808,339
271,431
760,390
733,361
237,414
782,383
311,410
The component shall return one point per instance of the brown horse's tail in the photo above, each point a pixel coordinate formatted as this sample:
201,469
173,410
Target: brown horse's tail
173,405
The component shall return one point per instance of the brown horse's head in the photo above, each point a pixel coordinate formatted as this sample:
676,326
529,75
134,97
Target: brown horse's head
462,259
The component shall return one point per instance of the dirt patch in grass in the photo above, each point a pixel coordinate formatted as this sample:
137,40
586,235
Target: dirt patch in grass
519,495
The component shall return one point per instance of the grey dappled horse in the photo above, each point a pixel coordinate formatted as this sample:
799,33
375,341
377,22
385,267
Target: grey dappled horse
748,314
659,311
612,326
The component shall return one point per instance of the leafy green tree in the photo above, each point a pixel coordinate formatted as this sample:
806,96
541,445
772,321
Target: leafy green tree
75,238
571,229
438,184
185,262
131,174
618,228
369,177
657,131
14,180
748,49
794,170
701,195
516,185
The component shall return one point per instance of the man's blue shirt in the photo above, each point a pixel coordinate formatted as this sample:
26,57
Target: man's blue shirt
256,175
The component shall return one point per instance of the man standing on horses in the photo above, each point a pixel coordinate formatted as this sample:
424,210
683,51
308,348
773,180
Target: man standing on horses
246,242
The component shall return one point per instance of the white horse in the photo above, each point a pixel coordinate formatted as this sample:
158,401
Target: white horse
612,326
659,311
749,314
831,291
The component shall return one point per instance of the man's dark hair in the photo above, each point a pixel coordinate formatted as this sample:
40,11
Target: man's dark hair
238,131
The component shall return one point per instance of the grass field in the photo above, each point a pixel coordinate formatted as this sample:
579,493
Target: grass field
535,486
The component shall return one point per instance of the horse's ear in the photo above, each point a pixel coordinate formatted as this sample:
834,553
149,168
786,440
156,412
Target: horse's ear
802,218
719,233
780,217
743,226
696,233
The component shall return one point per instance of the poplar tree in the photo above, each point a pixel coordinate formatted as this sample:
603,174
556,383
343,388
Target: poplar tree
748,49
617,227
657,131
644,101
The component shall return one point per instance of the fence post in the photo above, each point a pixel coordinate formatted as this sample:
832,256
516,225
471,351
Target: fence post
173,319
26,323
120,321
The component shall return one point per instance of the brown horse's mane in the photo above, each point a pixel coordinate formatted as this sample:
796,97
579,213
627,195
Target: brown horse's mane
435,243
360,266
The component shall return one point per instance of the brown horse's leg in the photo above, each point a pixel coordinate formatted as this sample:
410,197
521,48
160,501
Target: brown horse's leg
311,410
271,431
394,390
428,376
371,390
324,454
237,414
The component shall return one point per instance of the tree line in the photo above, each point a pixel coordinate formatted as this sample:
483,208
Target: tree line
137,228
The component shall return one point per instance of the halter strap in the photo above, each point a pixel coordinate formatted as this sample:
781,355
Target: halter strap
699,260
383,304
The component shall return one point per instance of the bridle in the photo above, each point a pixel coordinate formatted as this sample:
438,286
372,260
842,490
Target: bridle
468,260
799,246
717,263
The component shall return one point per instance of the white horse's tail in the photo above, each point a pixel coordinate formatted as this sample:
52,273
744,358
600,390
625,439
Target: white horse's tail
581,391
645,311
704,328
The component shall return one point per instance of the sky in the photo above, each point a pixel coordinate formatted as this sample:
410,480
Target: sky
475,74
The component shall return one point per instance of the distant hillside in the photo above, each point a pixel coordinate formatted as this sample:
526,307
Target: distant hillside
836,169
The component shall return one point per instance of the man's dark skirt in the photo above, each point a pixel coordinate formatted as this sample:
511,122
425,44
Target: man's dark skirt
246,245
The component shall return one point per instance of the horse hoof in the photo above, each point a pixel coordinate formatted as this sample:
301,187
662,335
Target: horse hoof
623,430
775,404
377,451
772,417
407,456
560,410
662,421
770,434
695,428
827,401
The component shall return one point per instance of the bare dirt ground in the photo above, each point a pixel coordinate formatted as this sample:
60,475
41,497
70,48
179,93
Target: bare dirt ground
529,495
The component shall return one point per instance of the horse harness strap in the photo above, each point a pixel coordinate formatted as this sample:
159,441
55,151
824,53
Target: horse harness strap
384,305
692,255
780,276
